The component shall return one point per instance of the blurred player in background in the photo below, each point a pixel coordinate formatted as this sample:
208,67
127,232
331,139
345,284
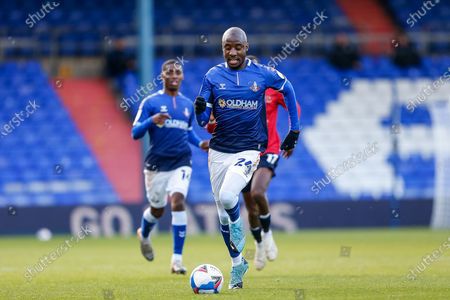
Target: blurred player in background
234,92
254,192
167,116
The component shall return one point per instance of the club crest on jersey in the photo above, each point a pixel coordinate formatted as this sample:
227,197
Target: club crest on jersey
186,112
255,87
222,86
222,103
268,99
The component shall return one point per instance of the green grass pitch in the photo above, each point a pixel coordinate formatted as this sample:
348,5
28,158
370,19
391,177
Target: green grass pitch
310,266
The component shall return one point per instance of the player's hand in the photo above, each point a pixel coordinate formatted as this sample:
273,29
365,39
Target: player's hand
290,141
199,105
287,153
204,145
160,118
211,126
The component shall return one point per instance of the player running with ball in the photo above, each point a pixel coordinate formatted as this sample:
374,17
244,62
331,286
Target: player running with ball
254,193
167,116
234,92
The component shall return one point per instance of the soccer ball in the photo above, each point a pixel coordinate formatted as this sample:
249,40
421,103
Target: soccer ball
206,279
44,234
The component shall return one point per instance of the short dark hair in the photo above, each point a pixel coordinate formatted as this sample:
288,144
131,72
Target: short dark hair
171,62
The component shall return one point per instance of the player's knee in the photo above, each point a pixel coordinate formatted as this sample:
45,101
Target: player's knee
258,193
177,202
228,199
157,212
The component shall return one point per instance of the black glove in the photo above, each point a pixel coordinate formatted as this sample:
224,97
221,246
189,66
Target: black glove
290,141
199,105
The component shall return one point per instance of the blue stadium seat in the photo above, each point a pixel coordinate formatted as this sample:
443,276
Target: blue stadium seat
195,17
47,138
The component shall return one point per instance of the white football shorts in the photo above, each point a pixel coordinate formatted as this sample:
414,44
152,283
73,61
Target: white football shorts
160,185
243,163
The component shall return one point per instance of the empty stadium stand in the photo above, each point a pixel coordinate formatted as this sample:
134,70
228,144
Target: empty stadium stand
434,16
424,16
44,160
86,28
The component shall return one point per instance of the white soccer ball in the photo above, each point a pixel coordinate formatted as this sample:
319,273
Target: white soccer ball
44,234
206,279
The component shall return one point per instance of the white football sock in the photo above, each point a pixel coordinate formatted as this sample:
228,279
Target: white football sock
236,261
177,257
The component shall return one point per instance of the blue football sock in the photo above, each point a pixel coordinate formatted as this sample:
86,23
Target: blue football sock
147,223
225,230
146,227
179,235
179,220
233,213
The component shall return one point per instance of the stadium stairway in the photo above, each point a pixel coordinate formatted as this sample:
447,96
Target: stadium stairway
91,105
369,17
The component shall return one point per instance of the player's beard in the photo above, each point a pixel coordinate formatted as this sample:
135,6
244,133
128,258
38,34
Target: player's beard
173,88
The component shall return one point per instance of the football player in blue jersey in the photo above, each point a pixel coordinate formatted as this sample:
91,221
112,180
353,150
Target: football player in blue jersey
233,92
167,116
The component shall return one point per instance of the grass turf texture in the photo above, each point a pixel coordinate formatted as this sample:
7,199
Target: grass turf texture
309,266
